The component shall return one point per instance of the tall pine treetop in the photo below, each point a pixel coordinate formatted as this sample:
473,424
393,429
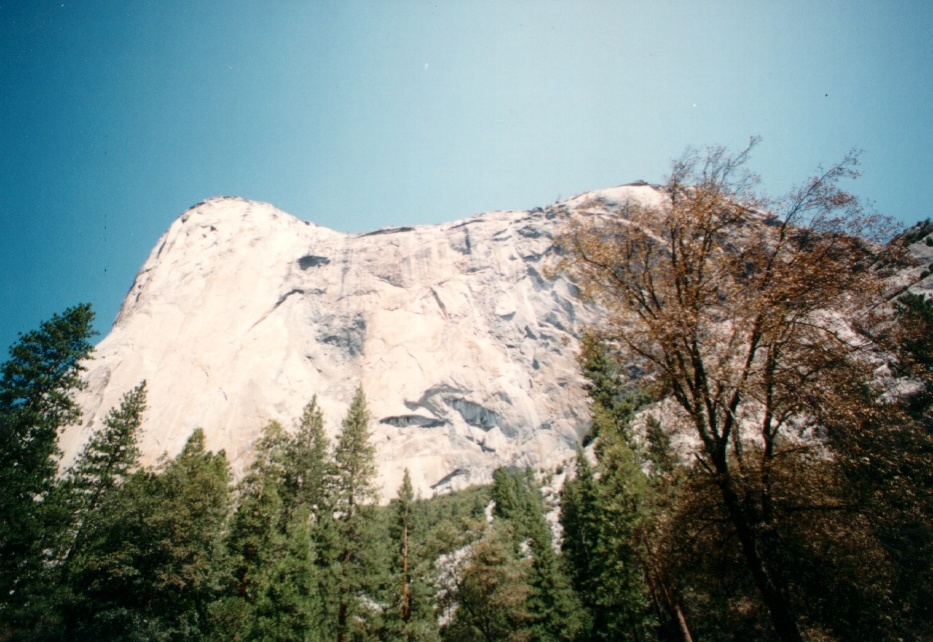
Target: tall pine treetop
355,456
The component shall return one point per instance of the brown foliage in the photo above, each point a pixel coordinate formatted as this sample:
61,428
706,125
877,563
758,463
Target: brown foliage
742,311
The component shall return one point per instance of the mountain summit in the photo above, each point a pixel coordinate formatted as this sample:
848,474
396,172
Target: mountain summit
466,351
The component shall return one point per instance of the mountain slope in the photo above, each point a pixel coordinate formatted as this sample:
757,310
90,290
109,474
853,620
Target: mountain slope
465,350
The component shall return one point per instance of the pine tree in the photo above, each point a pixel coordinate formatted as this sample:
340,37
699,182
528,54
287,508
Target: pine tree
150,570
553,608
402,534
192,500
256,539
352,495
656,540
289,607
621,596
36,383
101,468
601,517
578,519
492,593
273,590
614,401
603,511
308,465
411,616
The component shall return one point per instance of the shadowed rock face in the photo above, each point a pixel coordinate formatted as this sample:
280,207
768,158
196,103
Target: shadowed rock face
465,350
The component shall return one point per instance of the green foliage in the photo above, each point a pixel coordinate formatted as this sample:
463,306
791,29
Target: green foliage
35,392
411,615
150,569
614,399
553,608
354,461
917,232
649,549
308,465
454,520
352,493
601,518
491,593
518,500
101,468
262,549
36,382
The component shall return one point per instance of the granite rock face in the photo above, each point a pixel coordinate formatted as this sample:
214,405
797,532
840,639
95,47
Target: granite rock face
465,349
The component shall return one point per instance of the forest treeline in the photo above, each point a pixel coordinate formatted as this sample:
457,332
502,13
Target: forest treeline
299,549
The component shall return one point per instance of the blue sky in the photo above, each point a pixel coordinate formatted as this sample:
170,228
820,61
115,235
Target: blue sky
117,116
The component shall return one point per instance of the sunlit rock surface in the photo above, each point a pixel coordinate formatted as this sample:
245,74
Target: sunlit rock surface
466,351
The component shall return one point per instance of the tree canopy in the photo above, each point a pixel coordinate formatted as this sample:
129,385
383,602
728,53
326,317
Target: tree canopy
748,315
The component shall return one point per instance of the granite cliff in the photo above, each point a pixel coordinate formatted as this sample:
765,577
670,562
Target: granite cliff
465,349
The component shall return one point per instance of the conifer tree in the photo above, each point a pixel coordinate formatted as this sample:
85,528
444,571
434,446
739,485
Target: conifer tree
256,540
352,495
603,512
614,401
36,384
518,501
192,500
492,593
621,597
402,533
578,519
552,606
308,464
274,579
101,468
289,608
150,570
665,477
600,517
411,616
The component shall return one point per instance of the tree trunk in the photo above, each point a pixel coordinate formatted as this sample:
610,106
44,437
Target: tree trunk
782,614
682,624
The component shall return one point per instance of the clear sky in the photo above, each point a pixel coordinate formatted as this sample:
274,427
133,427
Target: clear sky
117,116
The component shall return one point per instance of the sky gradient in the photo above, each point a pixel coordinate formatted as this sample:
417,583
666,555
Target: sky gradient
115,117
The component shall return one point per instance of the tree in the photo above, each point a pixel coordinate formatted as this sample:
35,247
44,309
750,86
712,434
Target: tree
411,613
36,384
352,494
257,539
602,516
605,511
553,610
665,477
614,399
101,468
892,465
491,593
736,315
150,569
578,518
192,501
308,465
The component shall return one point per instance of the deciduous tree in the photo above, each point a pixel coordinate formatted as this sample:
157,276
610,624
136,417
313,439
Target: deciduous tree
735,308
